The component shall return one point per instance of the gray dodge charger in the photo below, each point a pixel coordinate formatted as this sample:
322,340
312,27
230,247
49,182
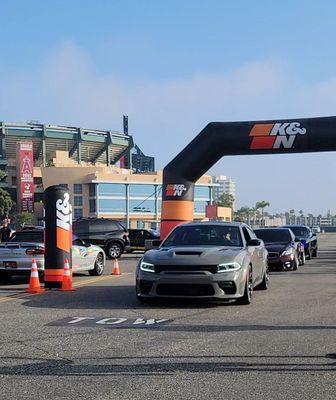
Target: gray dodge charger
207,260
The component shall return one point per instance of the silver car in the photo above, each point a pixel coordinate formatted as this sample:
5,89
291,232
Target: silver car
212,260
17,254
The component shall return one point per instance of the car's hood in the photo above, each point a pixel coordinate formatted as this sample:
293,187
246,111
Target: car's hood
276,247
194,255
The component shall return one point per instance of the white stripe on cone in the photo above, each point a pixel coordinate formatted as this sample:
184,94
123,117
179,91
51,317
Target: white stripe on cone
66,269
34,272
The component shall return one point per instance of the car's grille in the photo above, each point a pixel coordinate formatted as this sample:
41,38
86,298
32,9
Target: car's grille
181,269
184,290
273,254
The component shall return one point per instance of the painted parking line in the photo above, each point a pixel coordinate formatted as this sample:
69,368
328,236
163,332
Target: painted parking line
110,322
17,296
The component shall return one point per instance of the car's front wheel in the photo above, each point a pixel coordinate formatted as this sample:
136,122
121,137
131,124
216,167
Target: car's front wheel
247,297
114,250
98,266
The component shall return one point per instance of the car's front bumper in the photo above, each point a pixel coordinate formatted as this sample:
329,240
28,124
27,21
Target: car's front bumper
280,263
219,286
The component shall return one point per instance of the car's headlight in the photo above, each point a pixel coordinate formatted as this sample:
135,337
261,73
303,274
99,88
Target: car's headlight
145,266
229,267
287,252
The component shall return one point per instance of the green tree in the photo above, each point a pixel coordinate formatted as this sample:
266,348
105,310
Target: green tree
244,214
6,202
226,200
23,218
261,205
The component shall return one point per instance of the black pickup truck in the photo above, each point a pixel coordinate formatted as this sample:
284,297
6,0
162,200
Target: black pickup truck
307,237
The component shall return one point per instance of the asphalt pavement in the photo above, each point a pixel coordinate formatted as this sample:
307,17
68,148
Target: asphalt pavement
98,342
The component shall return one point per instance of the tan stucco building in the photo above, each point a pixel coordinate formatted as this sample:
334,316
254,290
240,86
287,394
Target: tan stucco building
107,191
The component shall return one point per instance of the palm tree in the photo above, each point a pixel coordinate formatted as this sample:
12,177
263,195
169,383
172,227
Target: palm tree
262,205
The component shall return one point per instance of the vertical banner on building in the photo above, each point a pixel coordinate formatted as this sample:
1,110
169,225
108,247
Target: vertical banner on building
58,234
25,176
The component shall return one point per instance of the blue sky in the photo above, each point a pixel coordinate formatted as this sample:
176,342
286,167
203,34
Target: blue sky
173,66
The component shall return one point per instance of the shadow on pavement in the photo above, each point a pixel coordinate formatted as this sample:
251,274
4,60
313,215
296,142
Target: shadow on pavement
164,366
111,297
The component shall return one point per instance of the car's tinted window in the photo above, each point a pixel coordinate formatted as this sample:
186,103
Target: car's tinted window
28,236
120,226
204,235
300,231
81,226
274,235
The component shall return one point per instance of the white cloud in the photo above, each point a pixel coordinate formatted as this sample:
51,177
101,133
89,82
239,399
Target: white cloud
67,89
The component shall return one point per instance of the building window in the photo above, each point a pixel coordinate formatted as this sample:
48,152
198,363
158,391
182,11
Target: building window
92,190
202,192
142,190
92,205
78,201
78,188
14,181
199,206
112,189
140,225
78,213
112,206
142,206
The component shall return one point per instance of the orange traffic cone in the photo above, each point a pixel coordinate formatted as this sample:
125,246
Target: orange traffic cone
116,270
67,278
34,283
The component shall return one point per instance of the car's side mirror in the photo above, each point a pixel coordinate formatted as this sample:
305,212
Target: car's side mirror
254,242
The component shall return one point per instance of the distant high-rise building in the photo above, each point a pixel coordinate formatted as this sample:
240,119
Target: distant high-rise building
225,185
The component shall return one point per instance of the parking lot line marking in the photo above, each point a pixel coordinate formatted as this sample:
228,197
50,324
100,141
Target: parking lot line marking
16,296
99,279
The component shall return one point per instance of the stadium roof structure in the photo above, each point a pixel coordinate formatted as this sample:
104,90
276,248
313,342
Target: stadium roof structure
88,145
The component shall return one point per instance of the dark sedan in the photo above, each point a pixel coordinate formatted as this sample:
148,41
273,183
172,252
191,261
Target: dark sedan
285,252
307,237
138,238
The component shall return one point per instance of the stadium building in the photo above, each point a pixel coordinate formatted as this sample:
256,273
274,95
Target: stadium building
105,171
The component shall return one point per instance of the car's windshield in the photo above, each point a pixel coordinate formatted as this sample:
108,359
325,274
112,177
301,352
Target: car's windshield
28,236
273,235
300,231
204,235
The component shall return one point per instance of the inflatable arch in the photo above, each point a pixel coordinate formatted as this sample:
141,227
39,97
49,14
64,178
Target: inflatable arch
220,139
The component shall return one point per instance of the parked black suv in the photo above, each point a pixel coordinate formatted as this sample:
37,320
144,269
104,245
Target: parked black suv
107,233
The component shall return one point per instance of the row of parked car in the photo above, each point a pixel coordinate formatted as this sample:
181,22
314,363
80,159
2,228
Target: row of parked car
220,261
94,239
